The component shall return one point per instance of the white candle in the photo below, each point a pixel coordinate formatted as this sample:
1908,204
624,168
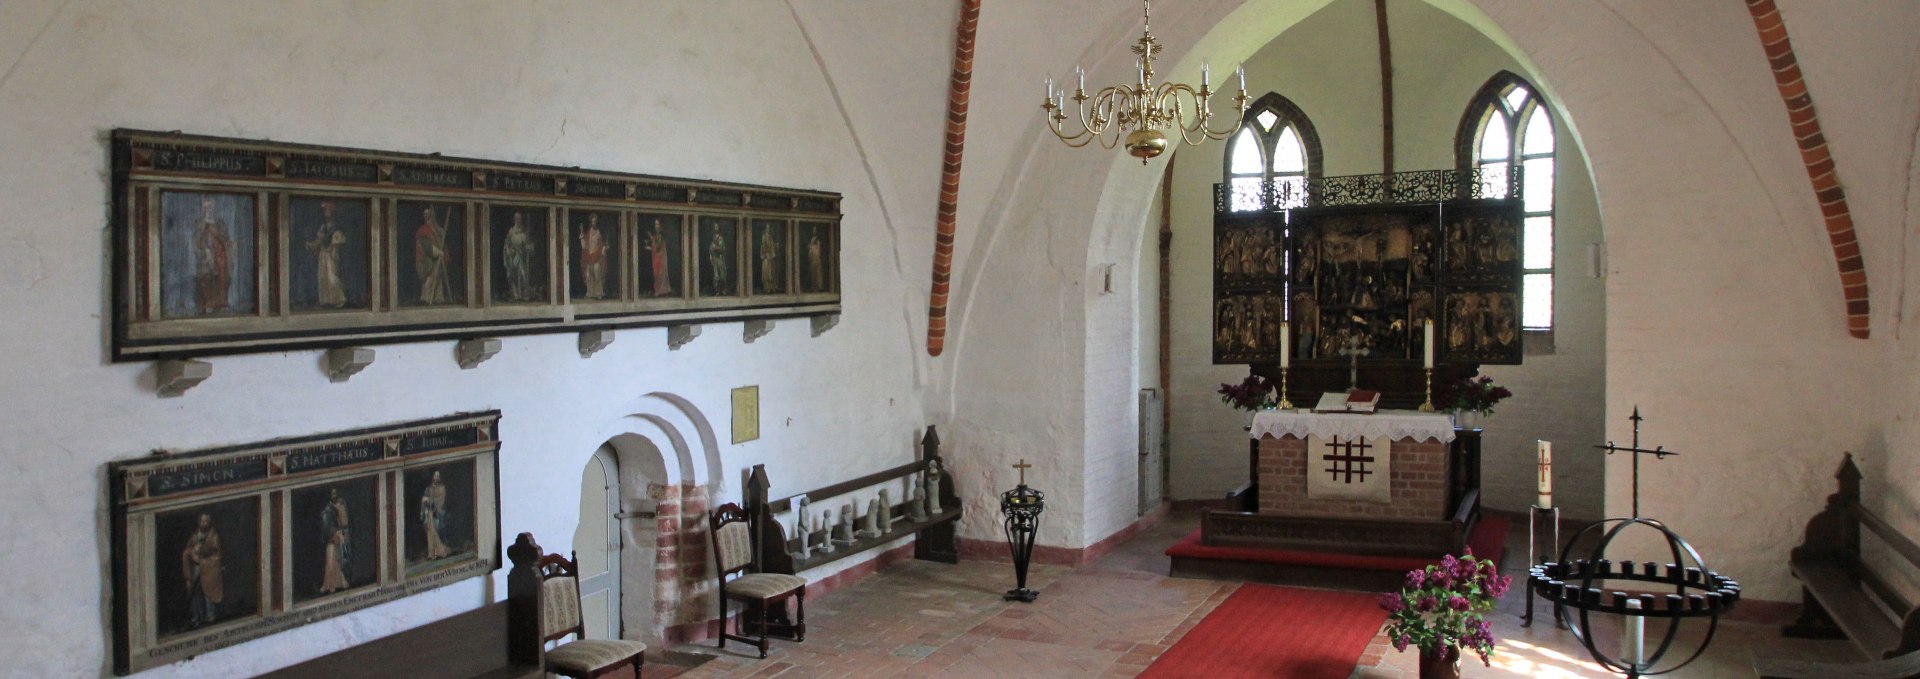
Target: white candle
1633,640
1049,88
1243,79
1083,78
1204,69
1427,345
1546,475
1285,344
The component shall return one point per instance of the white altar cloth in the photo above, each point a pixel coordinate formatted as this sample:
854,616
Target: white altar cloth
1390,425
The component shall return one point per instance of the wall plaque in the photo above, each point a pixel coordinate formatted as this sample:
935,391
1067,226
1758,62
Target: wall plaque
215,547
225,246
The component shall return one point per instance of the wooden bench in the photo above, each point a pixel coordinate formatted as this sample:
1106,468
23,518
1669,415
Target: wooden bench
496,641
471,644
1846,596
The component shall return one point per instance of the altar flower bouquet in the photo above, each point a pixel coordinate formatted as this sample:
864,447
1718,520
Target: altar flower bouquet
1470,394
1253,393
1443,608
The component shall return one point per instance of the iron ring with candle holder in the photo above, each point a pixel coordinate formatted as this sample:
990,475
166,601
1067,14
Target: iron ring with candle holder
1698,593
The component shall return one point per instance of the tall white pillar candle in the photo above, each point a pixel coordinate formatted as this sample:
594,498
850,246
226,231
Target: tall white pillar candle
1546,475
1427,330
1286,343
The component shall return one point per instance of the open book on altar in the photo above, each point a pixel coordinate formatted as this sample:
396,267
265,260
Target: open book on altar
1356,401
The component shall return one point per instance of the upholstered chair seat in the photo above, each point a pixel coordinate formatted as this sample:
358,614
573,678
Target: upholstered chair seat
733,548
582,658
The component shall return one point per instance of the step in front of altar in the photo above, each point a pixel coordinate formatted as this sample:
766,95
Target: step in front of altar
1323,565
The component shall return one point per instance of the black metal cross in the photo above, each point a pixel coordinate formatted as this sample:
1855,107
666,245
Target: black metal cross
1658,453
1346,461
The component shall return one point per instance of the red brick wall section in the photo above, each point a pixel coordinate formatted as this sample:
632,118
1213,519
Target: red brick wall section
950,176
1419,481
682,575
1819,160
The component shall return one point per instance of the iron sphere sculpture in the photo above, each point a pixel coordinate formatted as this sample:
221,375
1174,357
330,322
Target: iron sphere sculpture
1590,586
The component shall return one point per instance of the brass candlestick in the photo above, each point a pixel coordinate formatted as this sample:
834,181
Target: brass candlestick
1428,406
1284,404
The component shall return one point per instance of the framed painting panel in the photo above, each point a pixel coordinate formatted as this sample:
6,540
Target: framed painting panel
1246,327
519,253
717,249
1250,251
771,255
334,534
1482,326
443,503
662,247
215,547
230,246
1483,244
329,253
819,257
595,243
208,264
207,562
430,253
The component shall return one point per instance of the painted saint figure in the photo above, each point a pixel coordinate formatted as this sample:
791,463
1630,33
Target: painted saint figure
433,518
339,550
593,258
517,254
330,289
769,262
717,263
430,258
815,264
657,257
212,261
200,566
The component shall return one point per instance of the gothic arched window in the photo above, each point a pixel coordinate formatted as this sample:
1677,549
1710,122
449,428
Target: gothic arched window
1276,146
1508,125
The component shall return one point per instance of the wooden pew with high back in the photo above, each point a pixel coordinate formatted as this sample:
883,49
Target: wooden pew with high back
1849,596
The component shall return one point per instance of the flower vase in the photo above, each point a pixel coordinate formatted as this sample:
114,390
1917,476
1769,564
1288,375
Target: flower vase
1467,419
1441,663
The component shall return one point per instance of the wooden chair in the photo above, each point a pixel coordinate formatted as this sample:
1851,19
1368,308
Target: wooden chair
733,548
581,658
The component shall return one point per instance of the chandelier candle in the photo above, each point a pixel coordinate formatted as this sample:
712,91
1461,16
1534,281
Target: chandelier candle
1137,113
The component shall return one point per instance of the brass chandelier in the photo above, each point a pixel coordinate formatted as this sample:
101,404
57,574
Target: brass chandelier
1141,106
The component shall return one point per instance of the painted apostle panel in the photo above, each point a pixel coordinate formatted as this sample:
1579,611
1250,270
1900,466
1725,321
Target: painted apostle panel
595,244
662,255
329,266
207,260
215,547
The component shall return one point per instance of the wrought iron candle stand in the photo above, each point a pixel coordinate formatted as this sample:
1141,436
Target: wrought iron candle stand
1022,507
1698,592
1552,516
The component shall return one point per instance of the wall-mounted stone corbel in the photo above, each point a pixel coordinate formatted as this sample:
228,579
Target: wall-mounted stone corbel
592,341
471,352
679,335
345,362
823,323
175,376
754,330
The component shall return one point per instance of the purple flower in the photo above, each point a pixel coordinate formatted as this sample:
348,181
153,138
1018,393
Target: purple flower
1400,643
1427,603
1416,579
1393,603
1457,602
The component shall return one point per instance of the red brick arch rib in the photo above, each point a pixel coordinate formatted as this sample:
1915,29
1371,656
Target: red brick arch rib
1819,160
950,176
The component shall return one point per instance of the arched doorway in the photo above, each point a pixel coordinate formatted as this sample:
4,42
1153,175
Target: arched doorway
597,545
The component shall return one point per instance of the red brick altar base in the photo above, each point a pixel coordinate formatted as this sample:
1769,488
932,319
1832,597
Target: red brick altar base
1419,481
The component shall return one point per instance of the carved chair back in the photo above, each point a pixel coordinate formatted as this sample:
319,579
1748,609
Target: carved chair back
732,539
560,598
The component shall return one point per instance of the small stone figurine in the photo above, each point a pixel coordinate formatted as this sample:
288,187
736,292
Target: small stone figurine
916,505
843,531
886,510
870,522
800,526
933,486
824,525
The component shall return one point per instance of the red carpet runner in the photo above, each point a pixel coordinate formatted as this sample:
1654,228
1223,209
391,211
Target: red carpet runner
1263,632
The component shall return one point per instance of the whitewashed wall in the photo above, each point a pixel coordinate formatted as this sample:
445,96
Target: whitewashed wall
681,89
1722,306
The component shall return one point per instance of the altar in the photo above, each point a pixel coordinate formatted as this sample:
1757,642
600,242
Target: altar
1347,501
1390,464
